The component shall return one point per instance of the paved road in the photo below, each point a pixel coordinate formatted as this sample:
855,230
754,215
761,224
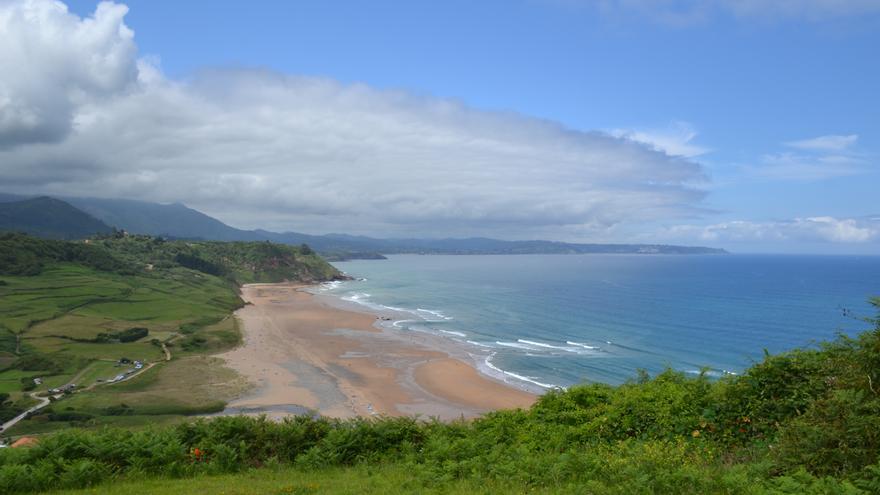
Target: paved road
44,401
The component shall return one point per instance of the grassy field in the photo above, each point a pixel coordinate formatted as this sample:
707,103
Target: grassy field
99,370
10,380
41,425
387,479
165,394
188,385
58,315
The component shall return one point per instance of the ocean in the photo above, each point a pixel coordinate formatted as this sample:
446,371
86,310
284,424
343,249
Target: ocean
541,321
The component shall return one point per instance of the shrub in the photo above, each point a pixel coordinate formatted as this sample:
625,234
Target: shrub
27,383
193,342
132,334
72,416
199,264
38,362
83,473
118,410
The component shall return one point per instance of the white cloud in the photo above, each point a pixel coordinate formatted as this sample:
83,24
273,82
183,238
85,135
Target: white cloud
259,148
675,140
52,62
799,167
825,143
818,158
809,229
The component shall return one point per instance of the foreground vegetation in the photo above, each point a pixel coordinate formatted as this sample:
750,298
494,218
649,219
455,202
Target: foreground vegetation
83,312
806,421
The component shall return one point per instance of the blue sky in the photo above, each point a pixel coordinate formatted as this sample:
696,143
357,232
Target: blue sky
778,106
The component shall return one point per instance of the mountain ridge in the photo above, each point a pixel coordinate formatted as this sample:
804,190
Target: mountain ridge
50,218
180,221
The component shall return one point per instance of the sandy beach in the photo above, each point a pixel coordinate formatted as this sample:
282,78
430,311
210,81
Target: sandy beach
303,353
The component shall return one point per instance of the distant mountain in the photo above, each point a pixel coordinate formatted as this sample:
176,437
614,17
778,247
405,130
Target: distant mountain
179,221
173,220
9,198
348,246
49,218
481,245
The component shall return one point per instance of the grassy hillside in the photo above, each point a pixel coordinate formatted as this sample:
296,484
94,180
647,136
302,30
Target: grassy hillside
49,218
241,262
26,255
69,311
806,421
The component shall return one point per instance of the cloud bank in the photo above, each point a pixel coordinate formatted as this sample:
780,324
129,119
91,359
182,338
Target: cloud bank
54,62
832,143
810,229
675,140
85,116
818,158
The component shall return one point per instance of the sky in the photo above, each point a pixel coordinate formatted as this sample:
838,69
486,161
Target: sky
741,124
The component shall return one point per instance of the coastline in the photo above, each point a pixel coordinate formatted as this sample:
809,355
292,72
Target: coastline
304,352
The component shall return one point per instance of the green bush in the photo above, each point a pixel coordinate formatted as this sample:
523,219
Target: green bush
21,254
38,362
27,383
71,416
193,343
196,263
122,336
118,410
132,334
8,408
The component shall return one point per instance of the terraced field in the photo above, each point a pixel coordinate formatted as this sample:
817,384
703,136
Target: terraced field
56,319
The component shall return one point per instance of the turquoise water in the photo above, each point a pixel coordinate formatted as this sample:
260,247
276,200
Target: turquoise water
551,320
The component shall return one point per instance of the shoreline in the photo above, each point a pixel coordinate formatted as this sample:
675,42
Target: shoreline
393,320
303,351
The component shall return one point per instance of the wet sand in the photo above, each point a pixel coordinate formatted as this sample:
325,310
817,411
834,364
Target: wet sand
301,351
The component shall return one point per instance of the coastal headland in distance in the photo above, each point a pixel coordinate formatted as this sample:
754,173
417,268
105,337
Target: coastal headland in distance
303,353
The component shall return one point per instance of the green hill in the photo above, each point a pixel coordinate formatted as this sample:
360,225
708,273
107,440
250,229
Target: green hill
69,311
49,218
240,262
22,254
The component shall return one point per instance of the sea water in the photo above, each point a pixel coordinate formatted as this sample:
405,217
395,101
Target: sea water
542,321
